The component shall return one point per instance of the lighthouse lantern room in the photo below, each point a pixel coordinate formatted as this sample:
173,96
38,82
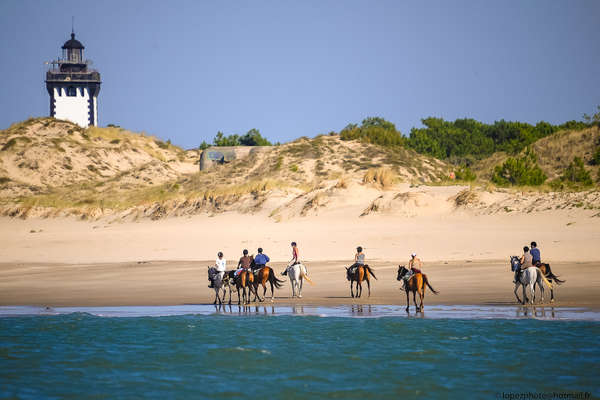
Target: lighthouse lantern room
73,86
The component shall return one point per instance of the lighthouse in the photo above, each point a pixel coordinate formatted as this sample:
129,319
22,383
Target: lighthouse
73,86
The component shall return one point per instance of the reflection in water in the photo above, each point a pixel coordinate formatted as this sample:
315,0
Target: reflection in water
349,310
359,309
535,312
240,309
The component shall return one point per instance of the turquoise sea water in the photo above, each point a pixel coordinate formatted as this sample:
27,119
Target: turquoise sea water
297,352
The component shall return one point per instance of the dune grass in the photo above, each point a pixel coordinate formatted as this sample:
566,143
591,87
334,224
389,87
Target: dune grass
382,176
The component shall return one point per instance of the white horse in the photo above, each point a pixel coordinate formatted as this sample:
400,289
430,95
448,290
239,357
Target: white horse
529,278
297,273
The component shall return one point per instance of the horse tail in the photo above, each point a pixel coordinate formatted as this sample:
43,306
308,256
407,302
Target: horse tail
544,278
428,285
370,271
274,280
552,276
304,276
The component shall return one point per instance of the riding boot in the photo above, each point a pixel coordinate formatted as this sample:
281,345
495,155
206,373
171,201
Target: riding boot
284,273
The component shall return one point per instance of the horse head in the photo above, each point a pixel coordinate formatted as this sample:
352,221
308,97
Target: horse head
515,263
401,272
348,274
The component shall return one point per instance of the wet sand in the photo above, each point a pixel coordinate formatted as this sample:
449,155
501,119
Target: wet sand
486,283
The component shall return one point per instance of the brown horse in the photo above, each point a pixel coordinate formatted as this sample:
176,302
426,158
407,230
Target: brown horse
359,274
415,284
547,271
261,277
244,281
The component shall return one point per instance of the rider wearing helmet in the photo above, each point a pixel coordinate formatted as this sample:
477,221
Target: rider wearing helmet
220,264
359,259
261,259
536,257
526,262
245,262
295,256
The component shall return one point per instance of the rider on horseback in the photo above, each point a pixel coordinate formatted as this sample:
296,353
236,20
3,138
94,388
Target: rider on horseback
294,260
536,258
414,260
359,260
526,262
260,260
244,263
220,264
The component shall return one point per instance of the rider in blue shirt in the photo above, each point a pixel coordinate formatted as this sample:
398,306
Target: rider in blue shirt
261,259
535,254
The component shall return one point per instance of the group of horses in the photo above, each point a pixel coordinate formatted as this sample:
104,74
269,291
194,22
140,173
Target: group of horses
248,281
533,277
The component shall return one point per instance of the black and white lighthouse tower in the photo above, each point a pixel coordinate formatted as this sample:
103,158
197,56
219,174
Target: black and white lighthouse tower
73,86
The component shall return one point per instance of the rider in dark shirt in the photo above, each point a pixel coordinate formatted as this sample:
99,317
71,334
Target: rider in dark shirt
535,254
245,262
261,259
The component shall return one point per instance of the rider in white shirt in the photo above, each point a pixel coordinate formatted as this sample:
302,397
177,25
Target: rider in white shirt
220,264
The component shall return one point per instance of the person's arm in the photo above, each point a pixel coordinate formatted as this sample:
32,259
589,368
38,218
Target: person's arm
267,259
356,257
420,264
239,263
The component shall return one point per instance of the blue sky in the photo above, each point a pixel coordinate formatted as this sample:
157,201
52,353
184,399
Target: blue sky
184,70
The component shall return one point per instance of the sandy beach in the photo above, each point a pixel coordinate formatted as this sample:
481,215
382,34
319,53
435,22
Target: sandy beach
184,282
66,262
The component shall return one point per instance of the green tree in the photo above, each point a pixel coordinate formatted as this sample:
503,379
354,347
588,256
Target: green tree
203,145
254,138
576,173
374,130
519,171
222,140
465,174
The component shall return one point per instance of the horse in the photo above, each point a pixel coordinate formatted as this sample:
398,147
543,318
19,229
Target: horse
218,284
547,271
297,273
360,273
415,284
245,281
261,277
530,277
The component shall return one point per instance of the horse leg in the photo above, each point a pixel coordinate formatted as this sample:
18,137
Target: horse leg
351,292
530,300
421,295
415,301
369,286
300,287
407,302
551,291
516,294
272,292
216,295
525,299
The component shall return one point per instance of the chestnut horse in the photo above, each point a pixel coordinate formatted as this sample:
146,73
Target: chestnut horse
547,271
360,273
415,284
261,277
245,281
